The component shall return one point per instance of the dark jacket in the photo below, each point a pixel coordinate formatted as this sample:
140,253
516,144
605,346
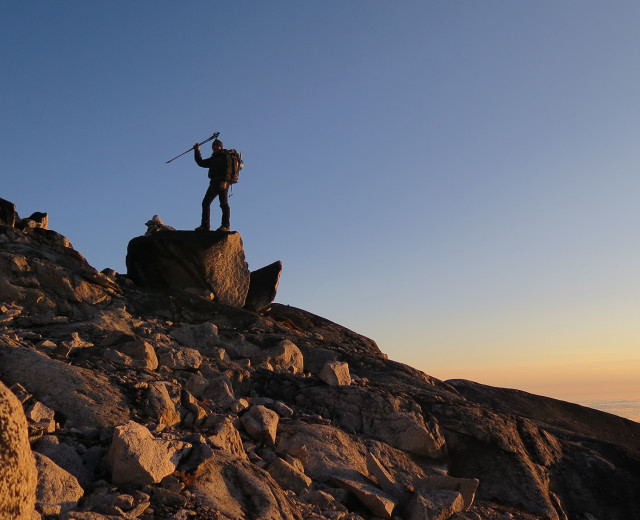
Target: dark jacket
217,164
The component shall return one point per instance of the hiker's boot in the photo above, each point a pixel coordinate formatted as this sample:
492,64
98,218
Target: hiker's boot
225,224
203,228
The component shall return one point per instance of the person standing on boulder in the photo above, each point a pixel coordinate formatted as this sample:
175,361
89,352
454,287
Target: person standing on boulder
218,186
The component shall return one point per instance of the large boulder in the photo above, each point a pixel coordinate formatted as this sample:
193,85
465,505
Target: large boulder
197,336
467,487
161,404
18,475
193,261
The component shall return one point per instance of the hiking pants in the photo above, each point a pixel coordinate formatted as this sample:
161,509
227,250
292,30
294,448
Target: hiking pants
216,190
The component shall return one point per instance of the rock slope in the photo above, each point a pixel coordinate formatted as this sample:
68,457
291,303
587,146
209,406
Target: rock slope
151,404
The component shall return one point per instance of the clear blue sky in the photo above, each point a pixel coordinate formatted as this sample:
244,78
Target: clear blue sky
456,179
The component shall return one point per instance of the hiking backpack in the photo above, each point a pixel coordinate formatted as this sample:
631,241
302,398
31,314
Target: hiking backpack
232,165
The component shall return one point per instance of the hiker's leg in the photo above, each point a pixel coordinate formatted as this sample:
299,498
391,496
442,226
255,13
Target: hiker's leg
224,206
206,205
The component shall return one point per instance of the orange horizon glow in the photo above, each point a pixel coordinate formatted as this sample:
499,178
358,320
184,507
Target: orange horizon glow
577,381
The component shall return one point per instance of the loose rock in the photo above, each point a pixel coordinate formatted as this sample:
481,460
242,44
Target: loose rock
226,437
288,476
58,490
197,336
336,373
137,458
437,505
142,354
261,424
375,500
180,358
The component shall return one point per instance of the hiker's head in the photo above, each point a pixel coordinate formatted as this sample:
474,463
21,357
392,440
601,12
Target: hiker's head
216,145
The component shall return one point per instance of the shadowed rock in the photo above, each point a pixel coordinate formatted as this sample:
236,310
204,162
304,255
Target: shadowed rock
36,220
263,286
58,490
465,486
65,456
196,262
7,213
436,505
374,499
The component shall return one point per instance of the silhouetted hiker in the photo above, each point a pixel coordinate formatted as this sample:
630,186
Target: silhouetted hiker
224,166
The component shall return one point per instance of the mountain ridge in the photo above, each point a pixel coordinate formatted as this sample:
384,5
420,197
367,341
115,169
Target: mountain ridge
158,404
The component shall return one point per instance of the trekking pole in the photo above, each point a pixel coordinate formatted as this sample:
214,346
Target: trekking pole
214,136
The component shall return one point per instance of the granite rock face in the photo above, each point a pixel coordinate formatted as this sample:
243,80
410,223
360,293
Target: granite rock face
164,405
17,466
198,262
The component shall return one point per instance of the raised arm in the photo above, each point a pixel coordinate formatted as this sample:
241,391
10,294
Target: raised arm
204,163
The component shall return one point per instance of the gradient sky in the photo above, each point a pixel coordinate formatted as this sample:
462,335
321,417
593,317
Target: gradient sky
457,180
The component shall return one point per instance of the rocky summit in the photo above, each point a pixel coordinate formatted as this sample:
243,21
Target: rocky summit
156,395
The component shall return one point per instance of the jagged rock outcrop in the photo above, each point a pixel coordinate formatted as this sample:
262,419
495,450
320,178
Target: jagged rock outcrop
263,286
45,281
7,213
166,405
